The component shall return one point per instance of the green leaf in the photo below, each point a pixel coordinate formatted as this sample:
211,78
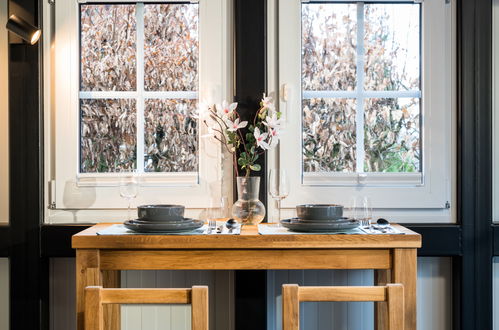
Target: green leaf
255,167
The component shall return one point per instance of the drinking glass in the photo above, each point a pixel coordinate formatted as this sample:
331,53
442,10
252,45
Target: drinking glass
217,209
129,186
362,210
278,188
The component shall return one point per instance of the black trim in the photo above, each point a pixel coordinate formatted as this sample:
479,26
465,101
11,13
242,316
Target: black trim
56,240
475,162
251,83
438,240
29,274
495,230
4,241
251,67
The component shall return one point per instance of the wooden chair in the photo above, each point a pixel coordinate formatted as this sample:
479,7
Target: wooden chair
292,295
96,297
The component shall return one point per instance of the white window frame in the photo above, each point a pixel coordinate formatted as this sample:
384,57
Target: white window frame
431,192
70,190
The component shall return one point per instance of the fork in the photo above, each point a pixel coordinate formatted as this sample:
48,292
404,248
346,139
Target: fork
366,223
212,224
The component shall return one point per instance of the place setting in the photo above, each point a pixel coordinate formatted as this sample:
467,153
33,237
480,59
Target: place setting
330,219
169,219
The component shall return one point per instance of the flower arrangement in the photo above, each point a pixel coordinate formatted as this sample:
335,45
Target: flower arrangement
226,126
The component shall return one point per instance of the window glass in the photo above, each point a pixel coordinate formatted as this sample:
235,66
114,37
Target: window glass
108,48
138,87
108,135
171,47
171,139
361,87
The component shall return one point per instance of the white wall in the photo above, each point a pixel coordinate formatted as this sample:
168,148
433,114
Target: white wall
4,119
434,298
4,294
152,317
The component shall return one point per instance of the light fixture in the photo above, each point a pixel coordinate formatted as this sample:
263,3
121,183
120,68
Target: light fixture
23,29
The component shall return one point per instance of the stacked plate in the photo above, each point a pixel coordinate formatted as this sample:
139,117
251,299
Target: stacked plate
162,219
319,218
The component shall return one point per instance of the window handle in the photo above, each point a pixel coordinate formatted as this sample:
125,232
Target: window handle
284,96
284,92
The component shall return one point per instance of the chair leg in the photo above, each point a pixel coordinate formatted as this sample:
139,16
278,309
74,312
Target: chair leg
290,307
395,303
200,312
94,313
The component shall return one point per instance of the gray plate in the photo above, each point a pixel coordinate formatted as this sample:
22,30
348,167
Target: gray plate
342,219
155,222
296,224
141,227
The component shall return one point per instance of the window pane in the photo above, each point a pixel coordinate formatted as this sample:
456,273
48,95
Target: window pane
392,46
392,135
108,48
171,47
171,136
329,41
329,135
108,135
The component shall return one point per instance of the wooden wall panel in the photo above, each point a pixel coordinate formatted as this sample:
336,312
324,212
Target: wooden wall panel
152,317
434,298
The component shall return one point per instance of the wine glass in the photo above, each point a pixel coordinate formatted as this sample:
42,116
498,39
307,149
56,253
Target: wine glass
362,210
278,188
129,186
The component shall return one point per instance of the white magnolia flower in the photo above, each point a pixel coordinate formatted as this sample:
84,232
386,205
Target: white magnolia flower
272,121
225,109
267,102
260,139
235,125
274,137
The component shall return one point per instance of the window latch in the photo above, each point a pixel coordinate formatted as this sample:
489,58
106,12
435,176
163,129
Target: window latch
361,178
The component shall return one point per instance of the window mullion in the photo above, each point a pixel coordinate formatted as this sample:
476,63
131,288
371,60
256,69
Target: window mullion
360,153
140,87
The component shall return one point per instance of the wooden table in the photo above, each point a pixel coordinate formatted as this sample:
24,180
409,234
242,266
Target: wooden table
99,259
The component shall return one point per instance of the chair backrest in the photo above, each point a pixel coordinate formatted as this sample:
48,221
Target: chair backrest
96,297
292,295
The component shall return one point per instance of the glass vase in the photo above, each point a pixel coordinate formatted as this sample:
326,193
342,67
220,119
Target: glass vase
248,209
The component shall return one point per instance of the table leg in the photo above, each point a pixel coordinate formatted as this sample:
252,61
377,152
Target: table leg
112,312
87,273
405,272
381,278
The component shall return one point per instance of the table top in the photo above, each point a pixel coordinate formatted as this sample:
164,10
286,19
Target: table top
248,239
